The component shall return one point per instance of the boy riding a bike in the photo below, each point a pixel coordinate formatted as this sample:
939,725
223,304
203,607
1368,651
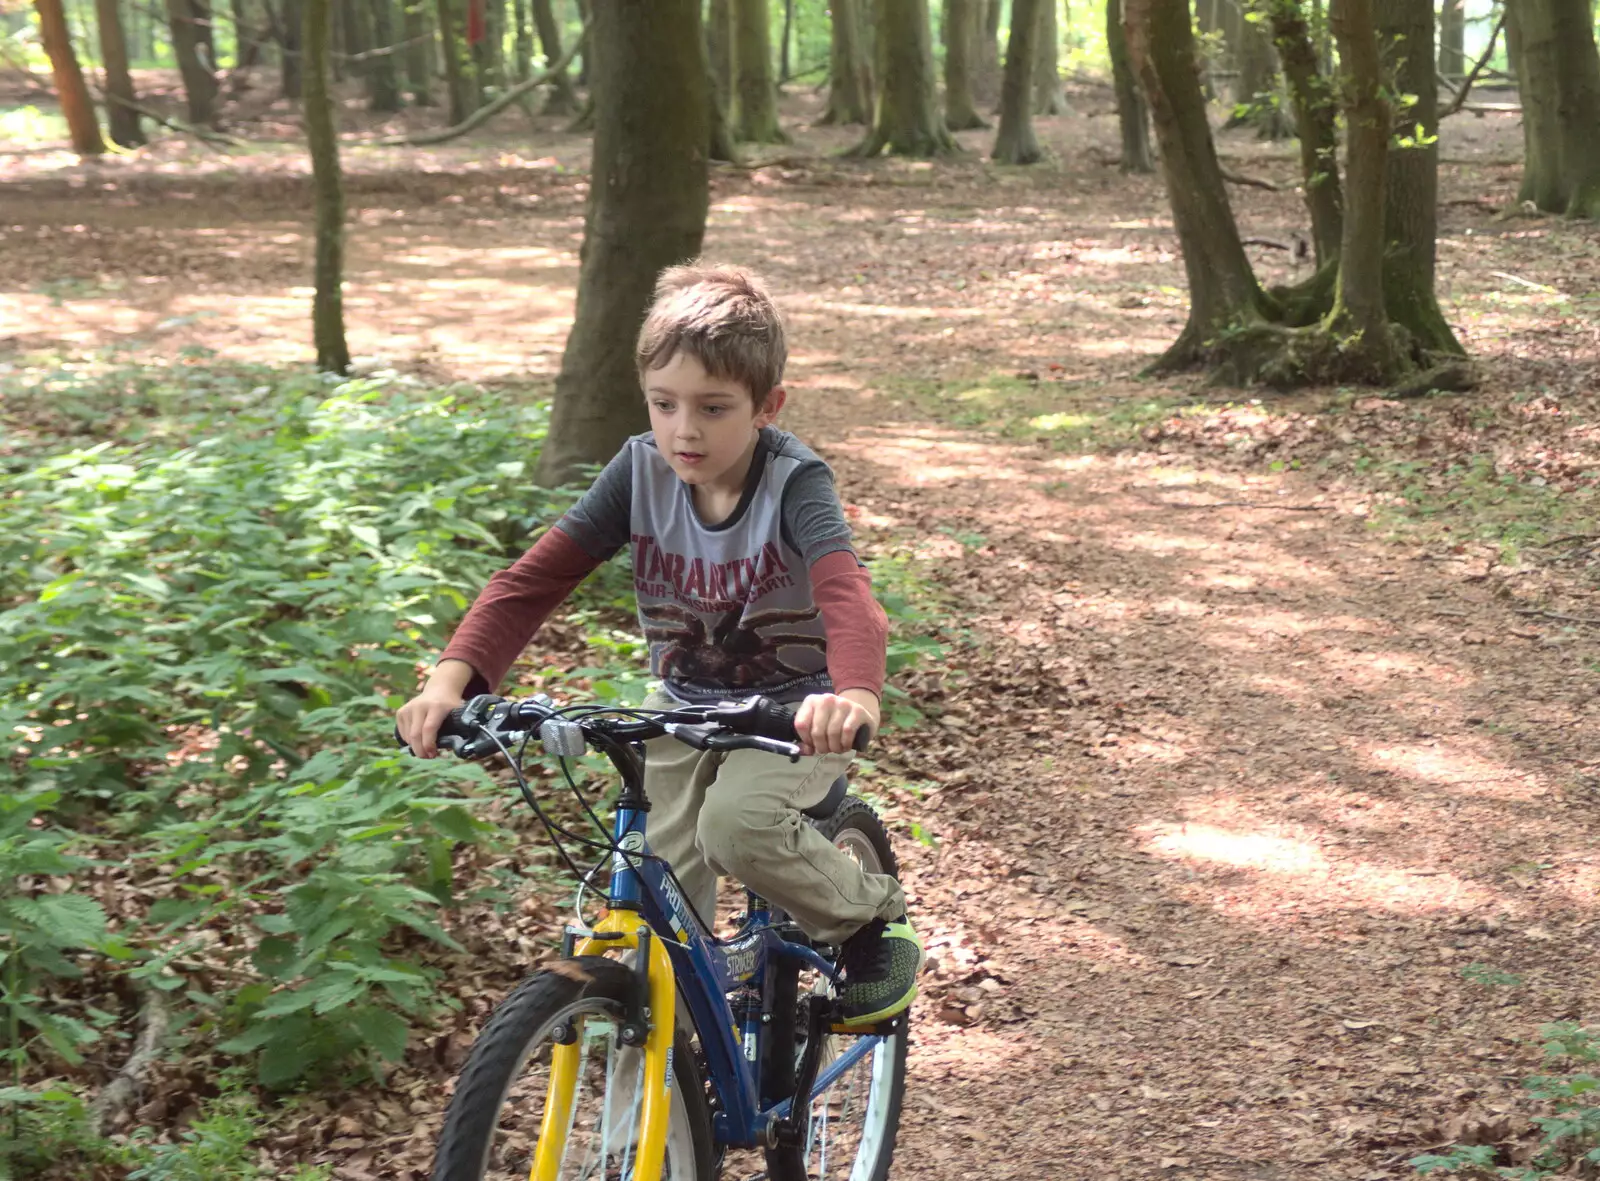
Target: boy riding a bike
746,584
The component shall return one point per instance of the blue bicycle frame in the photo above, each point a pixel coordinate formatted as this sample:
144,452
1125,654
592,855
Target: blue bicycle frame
707,969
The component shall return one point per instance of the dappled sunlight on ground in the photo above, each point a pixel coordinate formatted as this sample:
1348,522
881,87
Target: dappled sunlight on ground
1458,769
1297,876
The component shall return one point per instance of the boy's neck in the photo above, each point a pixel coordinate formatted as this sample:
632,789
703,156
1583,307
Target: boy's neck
715,502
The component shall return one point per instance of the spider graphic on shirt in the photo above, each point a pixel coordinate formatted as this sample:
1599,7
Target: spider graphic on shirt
734,652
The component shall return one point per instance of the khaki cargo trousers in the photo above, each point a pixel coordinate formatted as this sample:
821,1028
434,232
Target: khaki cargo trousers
738,813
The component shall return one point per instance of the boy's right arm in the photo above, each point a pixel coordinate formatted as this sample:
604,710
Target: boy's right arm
518,599
494,633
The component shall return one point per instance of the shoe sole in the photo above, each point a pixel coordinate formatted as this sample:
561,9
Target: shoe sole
893,1010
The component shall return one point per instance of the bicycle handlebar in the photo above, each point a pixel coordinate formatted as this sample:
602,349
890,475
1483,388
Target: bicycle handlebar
756,723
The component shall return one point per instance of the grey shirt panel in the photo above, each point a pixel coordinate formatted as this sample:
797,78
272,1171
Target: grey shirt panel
813,520
727,608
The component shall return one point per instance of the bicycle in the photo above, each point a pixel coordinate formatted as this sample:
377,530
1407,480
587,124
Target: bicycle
592,1048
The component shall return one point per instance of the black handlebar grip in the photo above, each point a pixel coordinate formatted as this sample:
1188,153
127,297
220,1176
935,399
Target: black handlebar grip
452,735
777,721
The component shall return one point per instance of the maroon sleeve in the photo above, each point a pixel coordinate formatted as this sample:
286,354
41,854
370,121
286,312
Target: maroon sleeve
514,604
858,630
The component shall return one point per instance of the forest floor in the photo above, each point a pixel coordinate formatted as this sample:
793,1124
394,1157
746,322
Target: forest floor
1254,821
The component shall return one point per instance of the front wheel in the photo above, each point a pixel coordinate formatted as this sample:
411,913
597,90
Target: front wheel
492,1130
850,1130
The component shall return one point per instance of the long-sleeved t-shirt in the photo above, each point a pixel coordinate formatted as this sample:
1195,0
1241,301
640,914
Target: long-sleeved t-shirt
772,600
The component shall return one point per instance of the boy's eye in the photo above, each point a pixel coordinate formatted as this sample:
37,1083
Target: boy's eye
664,407
714,411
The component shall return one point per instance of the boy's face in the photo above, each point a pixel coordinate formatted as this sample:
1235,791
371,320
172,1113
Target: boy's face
705,426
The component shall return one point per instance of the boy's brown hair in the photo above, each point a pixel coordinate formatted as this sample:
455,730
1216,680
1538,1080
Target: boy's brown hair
723,317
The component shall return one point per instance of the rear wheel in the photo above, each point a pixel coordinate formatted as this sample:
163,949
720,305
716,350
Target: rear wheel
850,1129
493,1125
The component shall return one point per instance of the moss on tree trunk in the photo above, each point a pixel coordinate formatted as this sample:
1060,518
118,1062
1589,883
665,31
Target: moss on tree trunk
1014,143
322,136
646,211
909,122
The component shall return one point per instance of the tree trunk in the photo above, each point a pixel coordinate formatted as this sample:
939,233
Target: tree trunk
1255,91
784,42
384,79
1132,112
1453,39
849,75
647,211
322,136
291,64
1223,292
986,75
1561,105
908,119
123,120
246,44
494,46
456,67
1208,15
1014,143
961,42
563,99
755,94
1359,319
1315,113
1411,189
199,83
719,50
522,43
76,105
419,53
1048,97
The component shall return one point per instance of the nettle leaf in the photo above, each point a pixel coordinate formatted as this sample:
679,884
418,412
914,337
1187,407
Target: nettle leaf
384,1031
67,920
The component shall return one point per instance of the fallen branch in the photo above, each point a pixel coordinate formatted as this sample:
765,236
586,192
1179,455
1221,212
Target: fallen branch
482,114
1456,103
210,138
1568,537
1558,616
122,1091
1235,178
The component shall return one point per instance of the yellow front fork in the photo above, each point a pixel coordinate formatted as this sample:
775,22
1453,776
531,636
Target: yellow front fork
652,1145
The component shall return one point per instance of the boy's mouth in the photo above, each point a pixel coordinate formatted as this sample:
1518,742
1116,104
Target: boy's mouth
691,456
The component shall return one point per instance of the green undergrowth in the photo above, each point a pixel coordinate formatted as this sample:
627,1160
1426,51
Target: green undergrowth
1077,416
1569,1141
217,583
54,1134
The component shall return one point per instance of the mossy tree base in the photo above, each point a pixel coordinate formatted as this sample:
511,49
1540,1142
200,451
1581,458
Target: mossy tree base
1286,357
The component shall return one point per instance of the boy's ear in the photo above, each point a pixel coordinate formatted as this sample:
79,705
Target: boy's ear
769,408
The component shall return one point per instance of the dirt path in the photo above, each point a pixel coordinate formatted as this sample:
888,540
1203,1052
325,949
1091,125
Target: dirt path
1228,801
1223,801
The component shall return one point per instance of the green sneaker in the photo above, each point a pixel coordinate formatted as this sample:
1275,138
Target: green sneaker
880,963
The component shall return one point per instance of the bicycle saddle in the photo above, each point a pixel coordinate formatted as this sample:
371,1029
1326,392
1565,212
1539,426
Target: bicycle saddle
829,804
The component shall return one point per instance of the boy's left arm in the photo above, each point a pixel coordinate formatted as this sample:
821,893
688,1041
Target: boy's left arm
858,635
